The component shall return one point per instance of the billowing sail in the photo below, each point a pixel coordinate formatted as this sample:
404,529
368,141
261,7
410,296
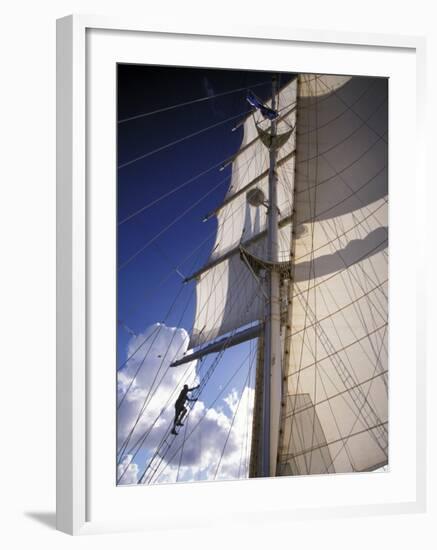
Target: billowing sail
229,295
335,412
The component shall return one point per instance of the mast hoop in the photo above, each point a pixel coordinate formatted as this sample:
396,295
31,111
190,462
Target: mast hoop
273,143
258,264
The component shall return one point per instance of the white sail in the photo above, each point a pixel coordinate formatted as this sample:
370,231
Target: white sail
331,326
228,294
335,413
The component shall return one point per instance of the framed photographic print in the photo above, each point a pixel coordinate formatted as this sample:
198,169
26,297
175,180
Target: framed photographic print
233,288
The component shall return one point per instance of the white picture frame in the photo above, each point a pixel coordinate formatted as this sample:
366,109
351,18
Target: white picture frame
77,414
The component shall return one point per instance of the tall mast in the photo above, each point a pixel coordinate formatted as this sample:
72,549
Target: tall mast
272,357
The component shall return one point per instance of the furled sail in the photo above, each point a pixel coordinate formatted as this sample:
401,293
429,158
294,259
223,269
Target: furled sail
228,292
334,406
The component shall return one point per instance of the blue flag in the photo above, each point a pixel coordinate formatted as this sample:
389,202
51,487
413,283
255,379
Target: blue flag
266,112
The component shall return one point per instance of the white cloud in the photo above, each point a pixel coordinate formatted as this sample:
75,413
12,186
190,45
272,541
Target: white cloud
232,400
130,470
157,385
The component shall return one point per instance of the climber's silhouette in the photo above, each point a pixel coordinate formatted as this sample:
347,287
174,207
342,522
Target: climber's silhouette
180,408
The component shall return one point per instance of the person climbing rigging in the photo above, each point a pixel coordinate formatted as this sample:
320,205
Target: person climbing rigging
180,409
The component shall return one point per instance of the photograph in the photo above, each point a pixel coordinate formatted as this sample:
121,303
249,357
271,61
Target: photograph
252,274
219,255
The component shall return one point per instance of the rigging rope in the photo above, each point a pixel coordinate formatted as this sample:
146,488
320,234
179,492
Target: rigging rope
246,165
365,121
173,222
175,269
181,186
191,102
180,140
248,418
182,450
137,349
169,193
232,425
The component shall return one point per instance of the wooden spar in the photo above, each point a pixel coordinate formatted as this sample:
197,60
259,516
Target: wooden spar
218,345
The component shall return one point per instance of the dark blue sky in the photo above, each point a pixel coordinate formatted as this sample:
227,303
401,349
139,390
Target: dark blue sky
142,297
